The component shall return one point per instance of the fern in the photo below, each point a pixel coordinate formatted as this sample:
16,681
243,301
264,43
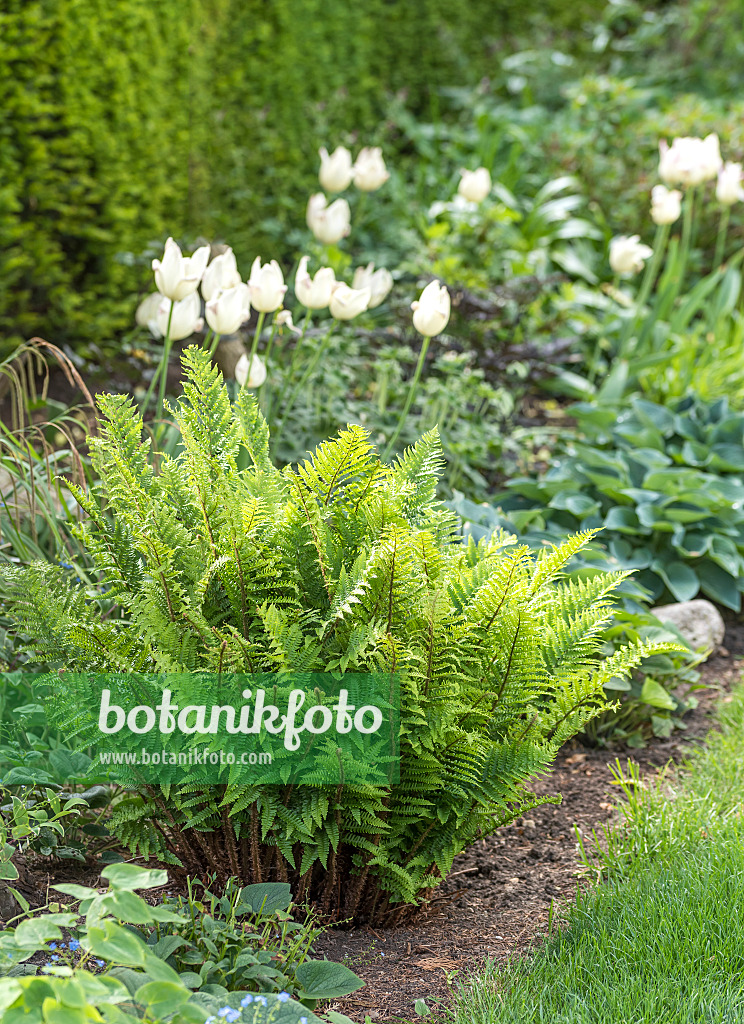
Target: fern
340,564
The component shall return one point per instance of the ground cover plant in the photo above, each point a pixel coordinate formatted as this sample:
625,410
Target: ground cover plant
661,940
495,658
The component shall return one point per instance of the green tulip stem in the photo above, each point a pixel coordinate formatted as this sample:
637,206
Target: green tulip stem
317,356
649,277
159,370
163,369
271,341
289,376
686,232
409,399
256,339
721,239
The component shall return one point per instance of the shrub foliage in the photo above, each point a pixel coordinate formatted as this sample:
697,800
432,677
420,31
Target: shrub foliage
339,564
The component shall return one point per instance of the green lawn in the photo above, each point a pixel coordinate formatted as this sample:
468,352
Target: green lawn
662,941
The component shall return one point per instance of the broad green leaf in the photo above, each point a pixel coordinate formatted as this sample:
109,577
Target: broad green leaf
129,876
653,693
681,579
322,979
719,585
161,997
112,942
272,896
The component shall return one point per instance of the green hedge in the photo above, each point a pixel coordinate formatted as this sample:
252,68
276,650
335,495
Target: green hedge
124,120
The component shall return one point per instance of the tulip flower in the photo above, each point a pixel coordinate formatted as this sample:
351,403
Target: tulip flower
221,275
266,285
369,170
314,292
147,314
228,309
729,189
475,185
689,161
379,282
331,223
628,254
346,303
336,170
251,373
666,204
431,312
184,319
177,276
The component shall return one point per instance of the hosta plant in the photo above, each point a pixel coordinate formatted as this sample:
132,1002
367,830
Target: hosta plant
213,559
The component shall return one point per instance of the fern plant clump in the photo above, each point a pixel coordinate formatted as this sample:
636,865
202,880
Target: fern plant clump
215,560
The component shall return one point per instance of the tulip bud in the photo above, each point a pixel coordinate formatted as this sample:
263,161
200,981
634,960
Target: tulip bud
267,286
379,282
369,170
147,314
728,189
331,223
475,185
666,204
177,276
431,312
335,170
229,309
251,373
314,292
221,275
185,319
346,303
689,161
628,254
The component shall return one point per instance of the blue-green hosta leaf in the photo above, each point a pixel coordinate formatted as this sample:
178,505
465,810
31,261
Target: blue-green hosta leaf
719,585
680,578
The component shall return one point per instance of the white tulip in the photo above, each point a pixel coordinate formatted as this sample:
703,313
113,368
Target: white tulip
314,292
628,254
346,303
431,312
267,286
728,188
221,275
228,309
331,223
284,319
147,314
666,204
250,373
185,320
379,282
336,170
177,276
689,160
475,185
369,170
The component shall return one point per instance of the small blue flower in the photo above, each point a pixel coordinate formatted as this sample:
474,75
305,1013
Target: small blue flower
55,957
100,963
283,997
229,1014
74,944
245,1001
210,1020
303,1020
262,1000
52,945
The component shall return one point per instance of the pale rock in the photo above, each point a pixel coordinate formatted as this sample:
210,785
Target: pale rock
699,622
